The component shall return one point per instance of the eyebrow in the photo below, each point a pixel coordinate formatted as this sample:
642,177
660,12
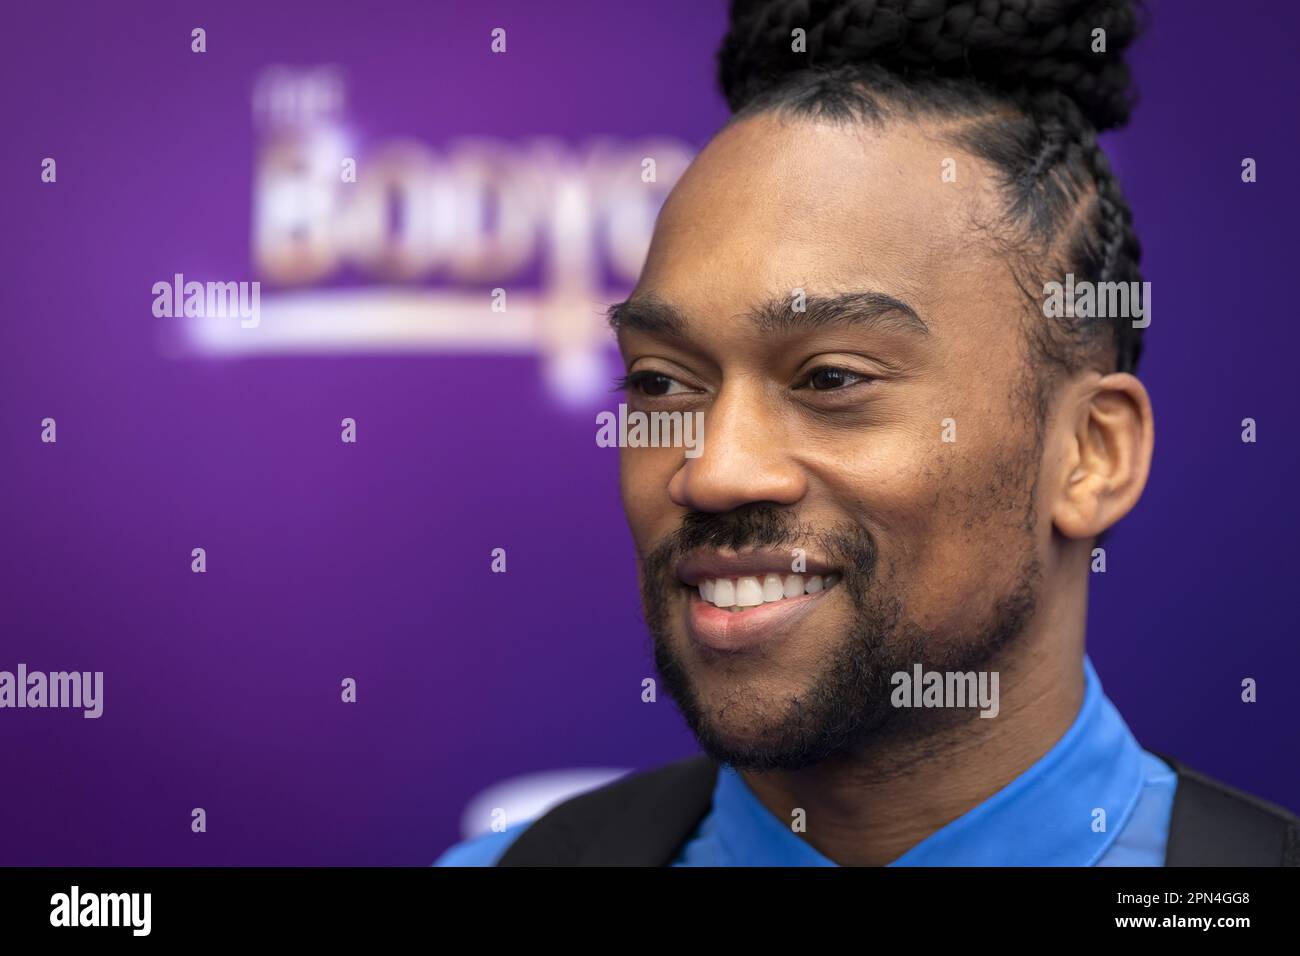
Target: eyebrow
865,309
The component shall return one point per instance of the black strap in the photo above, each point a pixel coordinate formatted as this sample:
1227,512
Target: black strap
639,820
1213,824
645,819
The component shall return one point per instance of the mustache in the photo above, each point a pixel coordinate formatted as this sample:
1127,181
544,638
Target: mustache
761,525
745,528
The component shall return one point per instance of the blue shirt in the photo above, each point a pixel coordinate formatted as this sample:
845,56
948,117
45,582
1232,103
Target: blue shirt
1045,817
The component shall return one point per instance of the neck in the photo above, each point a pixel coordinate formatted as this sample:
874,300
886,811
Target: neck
869,807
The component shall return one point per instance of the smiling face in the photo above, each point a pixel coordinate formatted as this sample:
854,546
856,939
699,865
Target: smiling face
885,431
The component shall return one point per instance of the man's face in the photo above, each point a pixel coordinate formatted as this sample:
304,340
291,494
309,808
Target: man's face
895,449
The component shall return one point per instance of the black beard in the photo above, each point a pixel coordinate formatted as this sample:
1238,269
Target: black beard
848,705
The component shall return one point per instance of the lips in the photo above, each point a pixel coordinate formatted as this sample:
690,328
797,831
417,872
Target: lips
742,600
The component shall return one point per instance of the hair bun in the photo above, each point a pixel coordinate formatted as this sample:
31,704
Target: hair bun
1020,47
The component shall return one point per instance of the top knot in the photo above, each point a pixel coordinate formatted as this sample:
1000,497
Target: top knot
1023,48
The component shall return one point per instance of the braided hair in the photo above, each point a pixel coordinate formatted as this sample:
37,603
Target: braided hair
1015,82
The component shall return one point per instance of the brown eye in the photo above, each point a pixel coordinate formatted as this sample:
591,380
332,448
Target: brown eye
829,378
653,383
650,384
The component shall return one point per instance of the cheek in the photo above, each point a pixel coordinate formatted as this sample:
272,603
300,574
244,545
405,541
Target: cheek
643,477
949,524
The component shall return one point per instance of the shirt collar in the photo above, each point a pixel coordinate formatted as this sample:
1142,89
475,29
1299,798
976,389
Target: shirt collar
1047,816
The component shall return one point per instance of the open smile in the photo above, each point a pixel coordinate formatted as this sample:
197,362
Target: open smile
741,593
738,601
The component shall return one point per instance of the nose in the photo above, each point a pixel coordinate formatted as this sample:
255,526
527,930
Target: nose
745,459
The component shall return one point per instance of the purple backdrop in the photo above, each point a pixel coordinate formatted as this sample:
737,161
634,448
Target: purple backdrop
371,561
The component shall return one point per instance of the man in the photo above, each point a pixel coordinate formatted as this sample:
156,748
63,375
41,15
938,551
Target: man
908,459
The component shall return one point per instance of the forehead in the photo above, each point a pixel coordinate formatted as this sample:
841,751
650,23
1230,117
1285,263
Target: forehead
773,204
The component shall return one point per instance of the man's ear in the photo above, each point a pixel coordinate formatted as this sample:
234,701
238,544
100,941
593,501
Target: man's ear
1107,453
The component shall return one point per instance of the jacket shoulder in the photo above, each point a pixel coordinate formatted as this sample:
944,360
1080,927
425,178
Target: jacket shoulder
1214,824
641,819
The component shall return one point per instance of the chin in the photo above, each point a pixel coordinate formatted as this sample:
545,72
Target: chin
741,714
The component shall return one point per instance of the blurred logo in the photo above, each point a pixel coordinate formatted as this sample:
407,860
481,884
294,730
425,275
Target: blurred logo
480,245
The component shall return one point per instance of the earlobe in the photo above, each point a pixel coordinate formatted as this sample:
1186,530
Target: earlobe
1107,455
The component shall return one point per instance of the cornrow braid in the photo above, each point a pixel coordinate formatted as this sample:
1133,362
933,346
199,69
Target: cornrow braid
1054,143
1028,93
1121,249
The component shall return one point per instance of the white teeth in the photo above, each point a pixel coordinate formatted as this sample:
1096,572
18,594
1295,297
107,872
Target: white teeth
749,593
738,594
